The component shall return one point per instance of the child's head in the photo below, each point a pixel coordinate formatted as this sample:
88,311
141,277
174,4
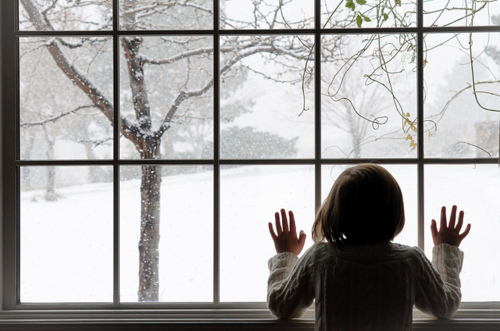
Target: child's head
365,205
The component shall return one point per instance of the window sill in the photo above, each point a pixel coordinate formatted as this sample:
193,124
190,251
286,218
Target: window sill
217,319
89,324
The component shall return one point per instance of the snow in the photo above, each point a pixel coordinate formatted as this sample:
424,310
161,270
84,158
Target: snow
67,245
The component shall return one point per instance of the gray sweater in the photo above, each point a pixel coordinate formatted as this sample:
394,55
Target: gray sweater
365,287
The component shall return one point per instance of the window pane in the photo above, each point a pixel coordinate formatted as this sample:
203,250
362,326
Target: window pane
461,13
406,176
474,189
66,234
250,195
267,100
166,14
185,234
166,97
368,96
373,13
459,123
270,14
47,15
66,98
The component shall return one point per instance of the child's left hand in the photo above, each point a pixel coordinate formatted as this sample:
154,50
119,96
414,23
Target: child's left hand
286,240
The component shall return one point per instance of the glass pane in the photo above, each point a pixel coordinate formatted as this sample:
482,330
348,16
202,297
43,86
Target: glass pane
267,99
66,234
66,89
48,15
166,97
368,96
406,176
461,13
372,13
270,14
462,95
166,14
181,227
474,189
250,195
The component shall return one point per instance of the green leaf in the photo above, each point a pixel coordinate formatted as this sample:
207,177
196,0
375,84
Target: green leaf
367,19
386,17
361,2
359,21
398,2
350,4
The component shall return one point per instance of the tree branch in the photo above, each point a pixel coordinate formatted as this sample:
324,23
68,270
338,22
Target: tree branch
268,47
95,95
458,93
55,117
194,52
183,95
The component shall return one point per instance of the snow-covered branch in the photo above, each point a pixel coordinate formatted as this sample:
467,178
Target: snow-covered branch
193,52
183,95
157,8
95,142
54,118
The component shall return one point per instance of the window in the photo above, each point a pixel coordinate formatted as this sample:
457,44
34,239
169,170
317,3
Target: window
148,143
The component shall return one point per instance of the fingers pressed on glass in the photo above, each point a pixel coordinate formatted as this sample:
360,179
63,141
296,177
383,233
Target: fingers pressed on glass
466,232
443,218
293,228
434,228
284,220
460,220
271,231
278,225
453,216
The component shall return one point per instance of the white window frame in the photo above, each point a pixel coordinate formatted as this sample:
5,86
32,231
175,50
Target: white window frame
470,316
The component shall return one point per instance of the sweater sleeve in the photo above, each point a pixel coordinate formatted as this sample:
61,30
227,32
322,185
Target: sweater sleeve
437,289
289,287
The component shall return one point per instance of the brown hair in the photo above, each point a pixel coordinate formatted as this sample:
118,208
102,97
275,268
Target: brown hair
365,205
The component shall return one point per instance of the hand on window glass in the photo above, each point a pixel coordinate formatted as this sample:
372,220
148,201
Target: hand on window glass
286,240
449,233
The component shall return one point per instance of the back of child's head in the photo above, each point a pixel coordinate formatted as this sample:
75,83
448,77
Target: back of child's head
365,205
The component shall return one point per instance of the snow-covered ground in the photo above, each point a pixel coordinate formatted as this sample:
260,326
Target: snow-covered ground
67,245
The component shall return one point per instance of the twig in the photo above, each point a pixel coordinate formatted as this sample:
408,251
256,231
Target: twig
54,118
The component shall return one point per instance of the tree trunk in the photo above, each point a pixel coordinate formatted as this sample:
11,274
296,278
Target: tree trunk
150,222
356,145
50,194
94,175
355,130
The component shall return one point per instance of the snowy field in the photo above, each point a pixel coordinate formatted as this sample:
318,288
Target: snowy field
66,245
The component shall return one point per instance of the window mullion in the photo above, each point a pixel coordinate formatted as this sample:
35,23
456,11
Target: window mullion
317,105
116,156
420,123
216,155
10,87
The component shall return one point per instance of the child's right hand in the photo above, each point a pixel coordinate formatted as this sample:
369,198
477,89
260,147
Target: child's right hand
286,239
449,234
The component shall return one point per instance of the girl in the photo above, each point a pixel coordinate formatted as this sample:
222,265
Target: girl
358,278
